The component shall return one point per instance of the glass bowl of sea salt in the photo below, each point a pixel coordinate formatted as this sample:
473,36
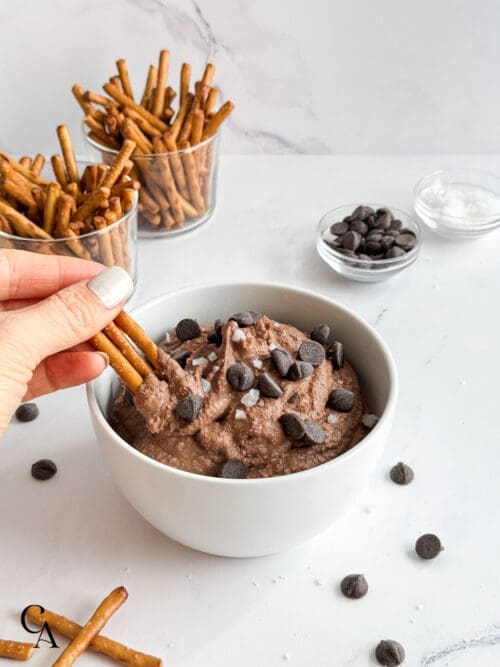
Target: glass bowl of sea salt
459,203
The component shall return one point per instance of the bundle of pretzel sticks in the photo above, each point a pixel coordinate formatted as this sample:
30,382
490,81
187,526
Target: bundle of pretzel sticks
174,157
71,206
82,637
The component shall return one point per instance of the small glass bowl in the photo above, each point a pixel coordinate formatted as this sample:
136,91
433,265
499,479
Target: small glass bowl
116,244
364,270
178,189
456,226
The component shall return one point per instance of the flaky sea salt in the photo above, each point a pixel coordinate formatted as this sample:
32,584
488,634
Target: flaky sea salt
215,368
369,420
240,414
257,363
199,361
272,347
276,325
168,337
238,336
212,356
461,204
251,398
206,385
332,419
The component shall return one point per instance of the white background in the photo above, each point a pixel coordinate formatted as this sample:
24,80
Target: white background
313,76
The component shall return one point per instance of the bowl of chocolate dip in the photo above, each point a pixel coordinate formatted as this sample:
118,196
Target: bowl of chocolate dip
264,421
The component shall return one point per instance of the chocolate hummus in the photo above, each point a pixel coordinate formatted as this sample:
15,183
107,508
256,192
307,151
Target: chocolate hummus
247,398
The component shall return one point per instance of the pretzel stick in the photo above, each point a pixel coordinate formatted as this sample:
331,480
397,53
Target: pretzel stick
186,126
123,99
38,164
104,241
214,123
27,173
125,81
184,85
181,115
116,168
167,180
130,377
120,188
128,199
21,224
76,246
68,153
176,163
149,86
15,650
208,74
131,130
39,196
95,200
58,168
26,162
100,644
138,336
105,140
143,124
63,213
16,186
116,335
159,94
197,127
192,178
210,101
92,628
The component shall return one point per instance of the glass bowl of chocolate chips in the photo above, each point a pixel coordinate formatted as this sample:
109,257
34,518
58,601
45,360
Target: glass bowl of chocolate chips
369,242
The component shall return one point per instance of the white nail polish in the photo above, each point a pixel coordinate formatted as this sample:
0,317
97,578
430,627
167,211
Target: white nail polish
112,286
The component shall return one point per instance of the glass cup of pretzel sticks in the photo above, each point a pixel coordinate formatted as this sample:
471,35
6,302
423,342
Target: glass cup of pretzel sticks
76,218
176,155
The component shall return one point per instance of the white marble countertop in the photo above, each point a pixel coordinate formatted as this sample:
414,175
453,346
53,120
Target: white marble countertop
68,542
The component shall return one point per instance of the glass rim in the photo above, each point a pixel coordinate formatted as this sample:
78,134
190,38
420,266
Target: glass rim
182,151
69,239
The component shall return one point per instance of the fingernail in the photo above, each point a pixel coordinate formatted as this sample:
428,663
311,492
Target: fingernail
105,357
112,286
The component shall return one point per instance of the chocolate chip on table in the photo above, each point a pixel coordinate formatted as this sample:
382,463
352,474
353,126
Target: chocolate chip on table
246,318
282,361
314,434
43,469
336,354
428,546
321,333
354,586
269,387
341,400
233,469
300,370
293,425
181,357
312,352
240,376
351,240
187,329
390,653
402,474
189,407
339,228
27,412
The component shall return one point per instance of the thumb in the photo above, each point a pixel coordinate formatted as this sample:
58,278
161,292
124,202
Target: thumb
73,314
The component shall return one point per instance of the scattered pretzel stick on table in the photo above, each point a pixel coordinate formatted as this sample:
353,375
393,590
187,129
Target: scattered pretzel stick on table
15,650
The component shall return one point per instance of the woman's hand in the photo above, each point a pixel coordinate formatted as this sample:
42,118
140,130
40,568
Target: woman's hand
49,307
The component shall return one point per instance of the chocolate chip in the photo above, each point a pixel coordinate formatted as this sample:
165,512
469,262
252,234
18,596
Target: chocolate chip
314,434
246,318
347,252
43,469
375,236
354,586
293,399
189,407
282,361
240,376
351,240
362,212
406,241
341,400
402,474
187,329
383,221
128,397
428,546
373,248
27,412
181,357
385,210
312,352
339,228
395,225
387,241
300,370
293,425
215,336
320,333
336,353
269,387
390,653
233,469
359,226
395,252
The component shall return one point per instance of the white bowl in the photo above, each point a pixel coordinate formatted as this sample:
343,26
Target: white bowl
251,517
